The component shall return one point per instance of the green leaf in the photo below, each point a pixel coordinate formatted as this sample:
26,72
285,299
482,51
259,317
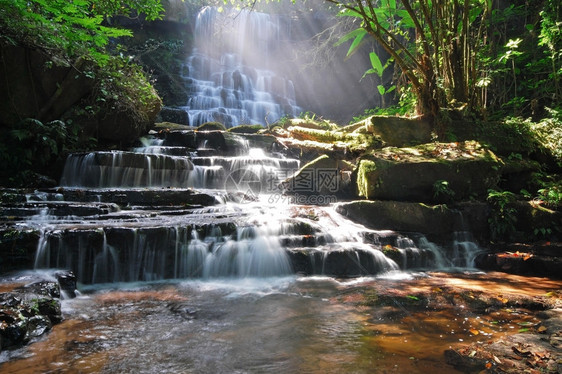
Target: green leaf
370,71
406,20
357,35
376,63
350,35
381,89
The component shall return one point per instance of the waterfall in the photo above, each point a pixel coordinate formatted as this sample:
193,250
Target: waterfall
230,73
128,216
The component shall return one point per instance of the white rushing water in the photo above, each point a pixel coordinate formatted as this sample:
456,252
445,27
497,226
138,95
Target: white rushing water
230,76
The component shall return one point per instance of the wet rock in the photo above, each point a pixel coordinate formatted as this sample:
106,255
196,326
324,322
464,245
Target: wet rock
143,197
185,138
436,222
17,249
67,282
465,363
517,353
37,326
323,176
521,263
174,115
28,312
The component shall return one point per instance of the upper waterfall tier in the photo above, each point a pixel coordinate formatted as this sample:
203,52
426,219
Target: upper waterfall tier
182,160
231,74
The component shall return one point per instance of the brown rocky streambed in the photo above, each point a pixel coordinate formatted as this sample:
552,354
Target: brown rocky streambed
403,322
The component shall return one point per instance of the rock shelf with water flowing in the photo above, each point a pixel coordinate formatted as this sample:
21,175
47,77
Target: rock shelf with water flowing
191,204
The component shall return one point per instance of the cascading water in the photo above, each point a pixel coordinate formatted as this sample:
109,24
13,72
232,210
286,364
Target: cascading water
230,75
237,229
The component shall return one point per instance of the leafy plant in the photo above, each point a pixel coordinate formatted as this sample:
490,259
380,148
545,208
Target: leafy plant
76,29
122,86
503,215
439,61
32,145
442,190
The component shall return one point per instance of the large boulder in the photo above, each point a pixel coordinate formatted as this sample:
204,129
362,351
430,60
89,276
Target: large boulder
45,88
398,131
30,310
174,115
436,222
323,176
434,172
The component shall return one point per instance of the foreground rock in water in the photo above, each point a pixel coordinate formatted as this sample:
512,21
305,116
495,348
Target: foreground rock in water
543,258
539,352
30,306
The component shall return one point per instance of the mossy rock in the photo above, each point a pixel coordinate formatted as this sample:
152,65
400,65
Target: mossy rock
396,131
418,173
311,124
167,126
355,141
246,129
536,222
211,126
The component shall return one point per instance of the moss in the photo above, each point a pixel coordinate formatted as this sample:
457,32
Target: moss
170,126
246,129
365,167
311,123
211,126
318,135
469,150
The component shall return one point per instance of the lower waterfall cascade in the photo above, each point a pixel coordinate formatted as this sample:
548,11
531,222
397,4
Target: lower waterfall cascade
190,204
188,247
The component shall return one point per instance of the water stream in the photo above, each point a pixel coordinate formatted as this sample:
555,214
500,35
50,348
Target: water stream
283,325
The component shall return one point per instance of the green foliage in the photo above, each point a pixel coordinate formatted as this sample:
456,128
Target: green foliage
405,107
548,189
123,86
442,190
503,215
211,126
31,145
246,129
72,29
313,121
548,133
496,59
